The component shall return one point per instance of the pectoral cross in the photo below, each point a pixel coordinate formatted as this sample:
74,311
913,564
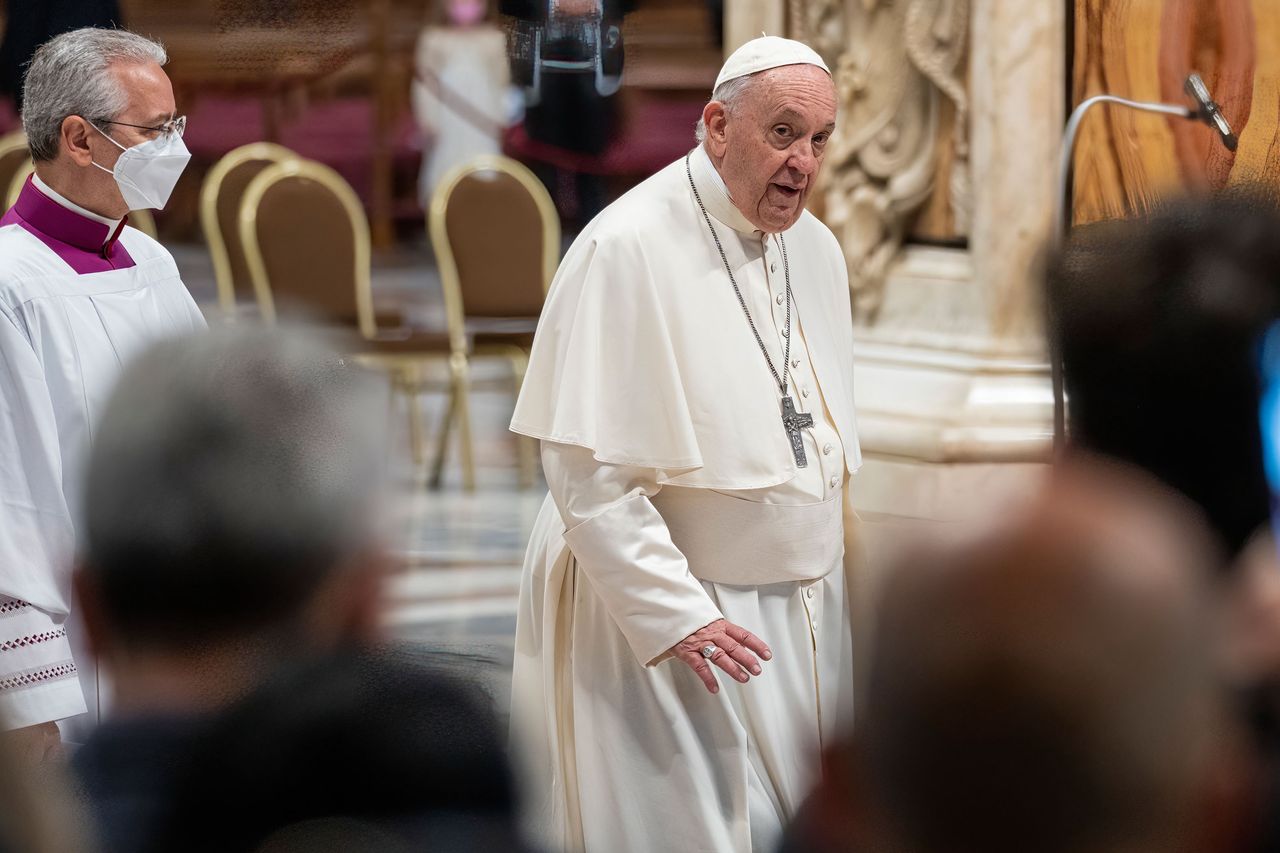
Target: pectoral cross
793,422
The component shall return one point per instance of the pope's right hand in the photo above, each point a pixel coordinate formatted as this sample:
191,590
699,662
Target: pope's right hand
733,647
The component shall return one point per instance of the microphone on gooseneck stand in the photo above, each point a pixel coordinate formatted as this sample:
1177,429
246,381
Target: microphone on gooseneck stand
1205,110
1208,112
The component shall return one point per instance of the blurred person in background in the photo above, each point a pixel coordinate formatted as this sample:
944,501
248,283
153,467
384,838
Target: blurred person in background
1159,320
231,526
571,73
30,23
1252,661
1161,323
1047,686
462,95
359,752
80,294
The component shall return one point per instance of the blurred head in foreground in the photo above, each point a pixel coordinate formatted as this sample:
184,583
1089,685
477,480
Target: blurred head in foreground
1158,320
362,752
231,515
1050,687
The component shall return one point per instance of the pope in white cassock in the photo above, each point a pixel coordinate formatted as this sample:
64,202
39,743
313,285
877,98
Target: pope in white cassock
691,383
80,293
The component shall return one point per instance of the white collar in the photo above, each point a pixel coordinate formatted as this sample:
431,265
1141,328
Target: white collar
55,196
715,194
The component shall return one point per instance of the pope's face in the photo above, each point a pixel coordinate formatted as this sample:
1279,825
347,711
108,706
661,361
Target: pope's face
770,147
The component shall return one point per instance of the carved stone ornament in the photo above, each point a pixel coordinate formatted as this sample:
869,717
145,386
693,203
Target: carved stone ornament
894,62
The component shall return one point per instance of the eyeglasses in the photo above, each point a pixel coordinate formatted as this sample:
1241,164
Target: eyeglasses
172,127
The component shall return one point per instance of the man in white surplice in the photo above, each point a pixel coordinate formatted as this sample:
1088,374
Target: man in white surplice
690,533
80,293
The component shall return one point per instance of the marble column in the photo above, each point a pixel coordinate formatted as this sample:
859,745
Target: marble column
1018,89
747,19
951,374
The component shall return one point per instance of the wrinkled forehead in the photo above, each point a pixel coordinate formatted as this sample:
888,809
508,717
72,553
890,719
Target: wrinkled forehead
802,89
147,91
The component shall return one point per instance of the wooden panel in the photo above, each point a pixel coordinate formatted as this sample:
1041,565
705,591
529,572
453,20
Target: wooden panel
936,221
1144,49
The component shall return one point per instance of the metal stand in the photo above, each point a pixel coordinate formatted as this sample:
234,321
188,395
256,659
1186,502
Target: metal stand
1062,227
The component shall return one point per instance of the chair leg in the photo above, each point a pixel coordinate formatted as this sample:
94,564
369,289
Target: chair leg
417,438
526,446
461,383
442,441
393,397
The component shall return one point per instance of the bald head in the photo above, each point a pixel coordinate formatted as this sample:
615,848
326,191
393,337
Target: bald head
1048,687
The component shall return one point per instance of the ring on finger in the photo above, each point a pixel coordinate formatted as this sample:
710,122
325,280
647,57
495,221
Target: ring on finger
708,651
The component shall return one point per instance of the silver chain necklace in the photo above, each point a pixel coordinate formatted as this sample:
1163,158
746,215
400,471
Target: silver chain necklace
792,421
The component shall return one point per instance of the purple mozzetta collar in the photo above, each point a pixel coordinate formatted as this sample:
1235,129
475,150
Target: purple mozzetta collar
85,245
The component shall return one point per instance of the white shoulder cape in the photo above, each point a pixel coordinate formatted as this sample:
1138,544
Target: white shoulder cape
643,354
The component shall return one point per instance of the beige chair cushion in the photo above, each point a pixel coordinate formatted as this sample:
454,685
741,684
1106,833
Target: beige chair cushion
495,233
308,248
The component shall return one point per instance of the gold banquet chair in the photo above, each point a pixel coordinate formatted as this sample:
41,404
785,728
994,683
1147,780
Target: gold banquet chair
15,165
220,196
496,237
144,221
17,181
306,246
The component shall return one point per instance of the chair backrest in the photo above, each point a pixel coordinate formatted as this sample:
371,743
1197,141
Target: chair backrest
306,244
17,178
220,196
496,237
144,221
14,158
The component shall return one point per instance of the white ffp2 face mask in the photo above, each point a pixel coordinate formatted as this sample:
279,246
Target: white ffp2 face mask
148,172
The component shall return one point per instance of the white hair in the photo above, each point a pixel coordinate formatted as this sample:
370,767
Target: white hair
70,76
729,93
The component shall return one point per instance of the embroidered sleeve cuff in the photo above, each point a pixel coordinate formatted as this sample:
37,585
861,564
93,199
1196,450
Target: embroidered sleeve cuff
38,678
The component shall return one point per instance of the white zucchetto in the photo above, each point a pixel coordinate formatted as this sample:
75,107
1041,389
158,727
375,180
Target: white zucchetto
767,52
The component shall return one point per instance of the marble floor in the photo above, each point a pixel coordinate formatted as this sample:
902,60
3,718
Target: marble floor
456,597
462,551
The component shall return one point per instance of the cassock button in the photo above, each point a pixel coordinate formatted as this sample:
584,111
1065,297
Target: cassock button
826,449
809,592
773,267
804,392
835,481
779,298
795,362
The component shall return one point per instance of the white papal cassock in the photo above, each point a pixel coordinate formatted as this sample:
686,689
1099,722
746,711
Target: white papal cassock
79,295
674,501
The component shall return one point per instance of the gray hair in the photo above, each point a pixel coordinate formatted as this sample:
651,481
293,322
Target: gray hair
231,475
729,93
70,76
